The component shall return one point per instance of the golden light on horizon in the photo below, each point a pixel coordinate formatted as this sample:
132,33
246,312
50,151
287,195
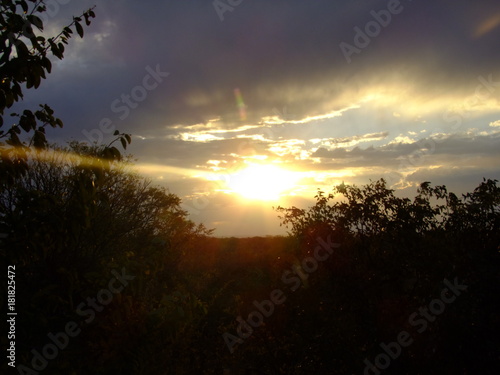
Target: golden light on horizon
263,182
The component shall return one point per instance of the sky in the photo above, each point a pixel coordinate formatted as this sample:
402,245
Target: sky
239,106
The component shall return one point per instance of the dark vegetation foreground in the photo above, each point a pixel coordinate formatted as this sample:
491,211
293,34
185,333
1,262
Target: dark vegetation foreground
150,292
111,276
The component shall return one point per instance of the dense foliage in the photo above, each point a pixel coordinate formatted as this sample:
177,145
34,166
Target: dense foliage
25,61
395,254
70,220
189,289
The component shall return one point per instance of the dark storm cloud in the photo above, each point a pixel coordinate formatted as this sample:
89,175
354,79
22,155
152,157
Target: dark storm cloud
280,53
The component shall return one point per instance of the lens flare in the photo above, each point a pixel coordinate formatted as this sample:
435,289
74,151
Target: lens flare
240,104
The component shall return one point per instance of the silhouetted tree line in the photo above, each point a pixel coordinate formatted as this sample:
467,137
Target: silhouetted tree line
71,219
395,254
151,292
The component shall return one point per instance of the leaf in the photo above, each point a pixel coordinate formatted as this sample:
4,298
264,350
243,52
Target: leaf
29,81
16,91
35,44
39,70
79,29
9,99
27,121
39,140
28,31
24,5
47,64
116,153
55,49
124,142
2,100
67,31
21,49
35,20
47,109
6,54
14,140
41,116
37,79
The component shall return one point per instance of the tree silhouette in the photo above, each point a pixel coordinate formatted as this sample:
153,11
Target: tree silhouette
86,215
25,60
395,253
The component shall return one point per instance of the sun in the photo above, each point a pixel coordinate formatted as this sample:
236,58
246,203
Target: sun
262,182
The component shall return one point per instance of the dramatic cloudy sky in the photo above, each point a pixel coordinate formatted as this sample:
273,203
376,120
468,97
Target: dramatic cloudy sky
289,90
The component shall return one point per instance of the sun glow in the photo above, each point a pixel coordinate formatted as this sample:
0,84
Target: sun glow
263,182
